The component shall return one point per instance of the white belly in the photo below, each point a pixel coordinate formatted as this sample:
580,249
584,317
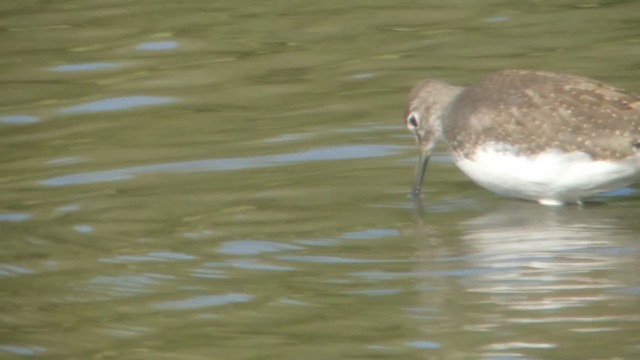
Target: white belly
551,178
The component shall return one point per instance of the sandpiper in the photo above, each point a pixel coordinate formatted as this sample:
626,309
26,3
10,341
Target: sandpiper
542,136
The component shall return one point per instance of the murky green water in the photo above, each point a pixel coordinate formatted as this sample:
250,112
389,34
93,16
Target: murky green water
224,180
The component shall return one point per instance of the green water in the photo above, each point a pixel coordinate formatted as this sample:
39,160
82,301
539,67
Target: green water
225,180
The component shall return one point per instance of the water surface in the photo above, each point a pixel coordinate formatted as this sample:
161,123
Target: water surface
199,180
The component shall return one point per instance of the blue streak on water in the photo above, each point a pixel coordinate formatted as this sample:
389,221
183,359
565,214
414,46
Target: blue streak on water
287,301
83,229
376,292
87,178
211,270
496,19
128,331
629,291
7,270
127,285
209,274
18,119
168,255
116,104
423,344
363,76
288,138
620,192
253,247
22,350
71,160
254,265
329,259
153,256
379,347
318,242
67,209
157,45
205,301
14,217
132,259
386,275
371,234
83,67
350,152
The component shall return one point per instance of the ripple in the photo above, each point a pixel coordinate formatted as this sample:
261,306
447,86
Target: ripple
157,45
207,273
330,259
253,247
497,19
72,160
318,242
595,329
14,217
335,153
197,235
19,119
153,256
87,178
67,209
205,301
126,331
376,292
83,229
84,67
7,270
22,350
287,301
423,344
386,275
379,347
288,138
117,104
254,265
629,291
370,234
363,76
519,345
128,285
167,255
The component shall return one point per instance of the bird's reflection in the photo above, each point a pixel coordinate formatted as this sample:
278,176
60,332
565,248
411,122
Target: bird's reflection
418,209
519,263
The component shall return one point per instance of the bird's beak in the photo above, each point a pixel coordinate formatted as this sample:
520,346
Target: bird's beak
423,161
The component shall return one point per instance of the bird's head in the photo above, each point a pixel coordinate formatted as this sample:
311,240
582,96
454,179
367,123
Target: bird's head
428,101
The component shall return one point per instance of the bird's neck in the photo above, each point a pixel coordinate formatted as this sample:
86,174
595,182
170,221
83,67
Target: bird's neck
450,94
445,98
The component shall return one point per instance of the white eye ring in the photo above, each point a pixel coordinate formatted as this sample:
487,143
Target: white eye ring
412,121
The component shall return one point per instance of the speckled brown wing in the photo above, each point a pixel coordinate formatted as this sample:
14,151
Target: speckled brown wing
534,111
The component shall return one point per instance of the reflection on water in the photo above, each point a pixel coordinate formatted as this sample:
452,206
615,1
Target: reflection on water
24,351
157,45
13,270
84,67
117,104
198,180
335,153
12,217
18,119
249,247
533,269
199,302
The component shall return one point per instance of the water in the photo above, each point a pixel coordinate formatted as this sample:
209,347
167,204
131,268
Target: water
200,180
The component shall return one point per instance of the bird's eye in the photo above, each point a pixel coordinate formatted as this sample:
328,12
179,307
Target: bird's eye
412,121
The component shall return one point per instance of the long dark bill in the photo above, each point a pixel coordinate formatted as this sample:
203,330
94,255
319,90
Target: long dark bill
423,161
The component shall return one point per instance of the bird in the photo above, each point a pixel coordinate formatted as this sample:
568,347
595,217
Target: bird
535,135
